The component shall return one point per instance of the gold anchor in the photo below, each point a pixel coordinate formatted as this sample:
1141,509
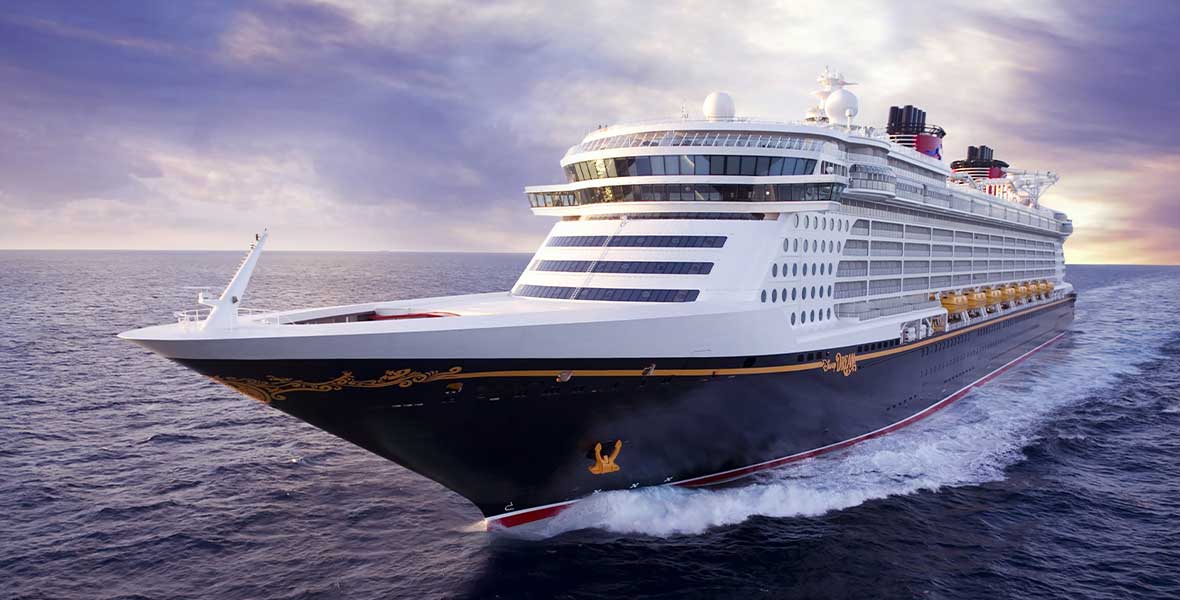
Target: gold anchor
605,464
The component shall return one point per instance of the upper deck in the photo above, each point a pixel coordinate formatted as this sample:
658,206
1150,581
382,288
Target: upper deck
745,164
742,164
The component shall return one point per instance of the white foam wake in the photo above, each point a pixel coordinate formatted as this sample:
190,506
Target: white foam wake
971,442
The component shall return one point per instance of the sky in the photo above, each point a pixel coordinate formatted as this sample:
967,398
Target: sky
367,125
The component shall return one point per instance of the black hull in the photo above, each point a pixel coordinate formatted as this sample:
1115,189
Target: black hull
518,442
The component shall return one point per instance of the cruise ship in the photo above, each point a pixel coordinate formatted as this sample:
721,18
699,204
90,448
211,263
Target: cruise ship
719,295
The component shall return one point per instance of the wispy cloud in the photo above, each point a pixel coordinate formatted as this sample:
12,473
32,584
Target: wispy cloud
355,124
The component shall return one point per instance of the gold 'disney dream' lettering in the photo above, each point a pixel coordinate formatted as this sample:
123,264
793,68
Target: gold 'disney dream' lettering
843,363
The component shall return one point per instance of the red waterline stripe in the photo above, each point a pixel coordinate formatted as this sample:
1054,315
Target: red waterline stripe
545,512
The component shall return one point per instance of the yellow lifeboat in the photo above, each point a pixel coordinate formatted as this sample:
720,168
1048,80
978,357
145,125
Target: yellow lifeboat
1009,293
954,303
1046,288
1022,291
995,296
976,300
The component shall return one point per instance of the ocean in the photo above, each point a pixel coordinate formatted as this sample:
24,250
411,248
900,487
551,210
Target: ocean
123,475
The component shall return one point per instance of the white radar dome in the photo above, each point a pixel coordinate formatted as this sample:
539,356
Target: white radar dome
839,104
718,107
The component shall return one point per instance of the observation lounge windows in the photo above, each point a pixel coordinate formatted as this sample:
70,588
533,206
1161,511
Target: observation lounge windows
783,192
643,166
695,164
702,138
733,164
716,164
625,167
776,165
748,164
762,167
657,165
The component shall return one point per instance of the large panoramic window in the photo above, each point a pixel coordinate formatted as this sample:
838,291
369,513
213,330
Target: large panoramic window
696,164
605,294
691,192
639,241
741,139
626,266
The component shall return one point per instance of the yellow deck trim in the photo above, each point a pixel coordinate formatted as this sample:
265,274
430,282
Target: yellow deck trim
739,370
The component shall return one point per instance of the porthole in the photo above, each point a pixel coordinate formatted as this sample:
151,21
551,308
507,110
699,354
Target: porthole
813,291
774,295
821,315
796,221
821,268
763,296
813,315
830,268
813,271
821,292
774,270
792,318
803,317
795,245
787,245
823,224
794,293
804,293
823,246
784,294
829,313
839,245
829,291
795,270
784,269
805,269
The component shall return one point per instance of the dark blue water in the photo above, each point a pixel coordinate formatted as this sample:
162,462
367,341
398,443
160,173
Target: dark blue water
125,476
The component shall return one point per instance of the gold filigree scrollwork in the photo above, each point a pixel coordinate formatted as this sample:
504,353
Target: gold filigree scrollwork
276,388
844,364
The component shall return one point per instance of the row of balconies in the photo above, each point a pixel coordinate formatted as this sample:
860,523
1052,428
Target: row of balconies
891,249
863,268
879,287
881,229
857,208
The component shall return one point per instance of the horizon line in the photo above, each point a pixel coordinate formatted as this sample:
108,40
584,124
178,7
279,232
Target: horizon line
1144,264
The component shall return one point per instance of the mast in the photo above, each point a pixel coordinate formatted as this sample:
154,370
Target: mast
224,313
